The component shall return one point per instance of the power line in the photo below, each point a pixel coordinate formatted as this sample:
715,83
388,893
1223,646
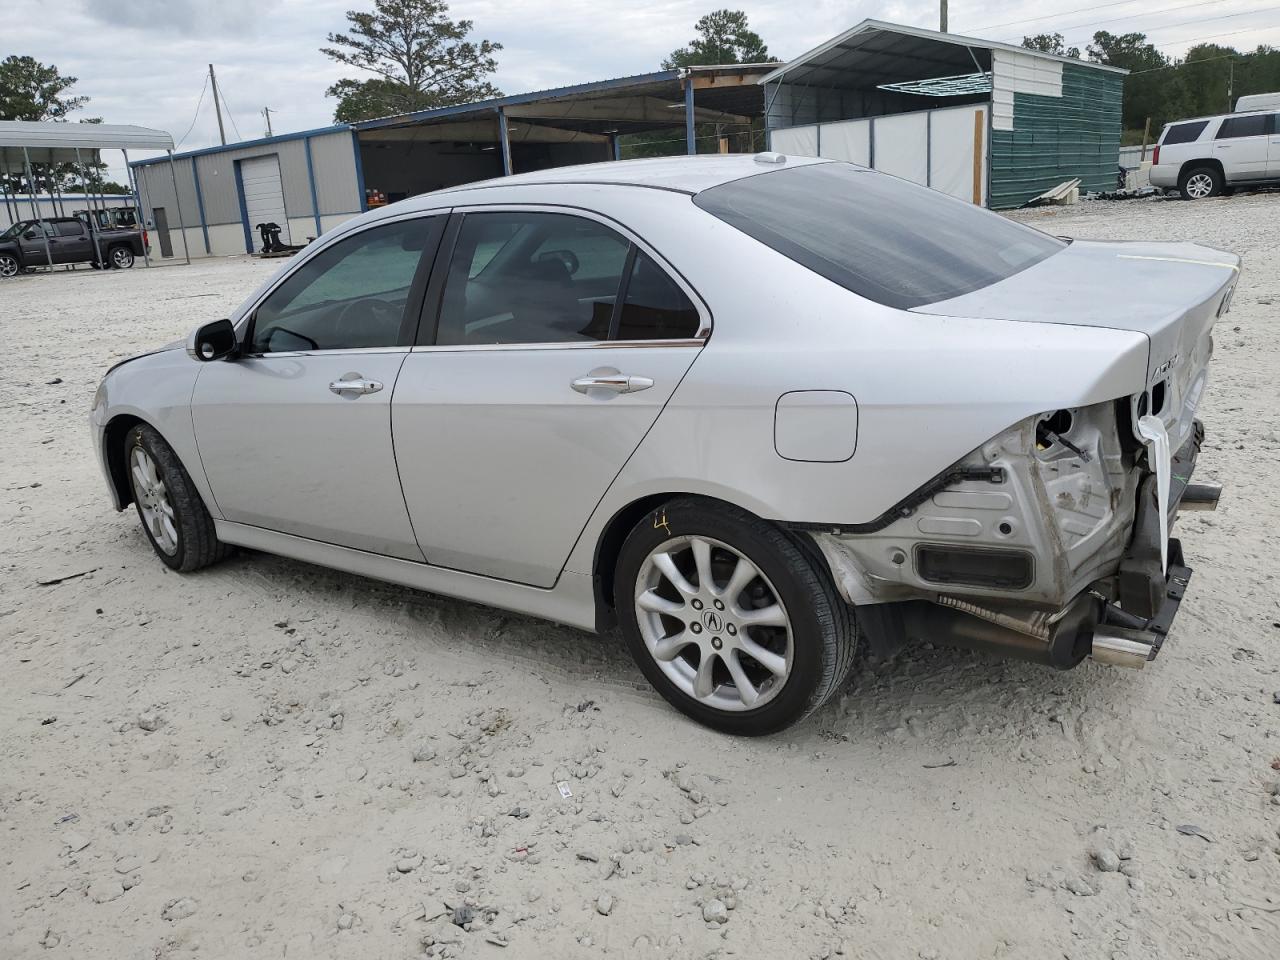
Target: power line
1212,36
1184,63
230,116
197,113
1225,16
1067,13
1148,13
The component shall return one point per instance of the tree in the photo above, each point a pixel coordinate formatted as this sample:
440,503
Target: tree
1051,43
30,90
37,92
422,60
723,37
1150,90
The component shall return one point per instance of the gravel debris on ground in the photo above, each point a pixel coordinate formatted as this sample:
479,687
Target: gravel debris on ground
265,811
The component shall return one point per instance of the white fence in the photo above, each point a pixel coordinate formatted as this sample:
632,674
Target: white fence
944,149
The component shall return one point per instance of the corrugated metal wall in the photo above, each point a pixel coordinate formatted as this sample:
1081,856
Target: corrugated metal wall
1058,138
333,164
333,158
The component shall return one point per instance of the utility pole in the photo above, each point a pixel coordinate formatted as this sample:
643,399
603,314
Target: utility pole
942,16
266,112
1231,80
217,107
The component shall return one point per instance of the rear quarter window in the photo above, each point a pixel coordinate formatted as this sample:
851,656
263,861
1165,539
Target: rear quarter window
1253,125
885,239
1184,132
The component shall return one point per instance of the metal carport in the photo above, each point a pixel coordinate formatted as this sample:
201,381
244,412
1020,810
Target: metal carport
1028,120
547,128
24,143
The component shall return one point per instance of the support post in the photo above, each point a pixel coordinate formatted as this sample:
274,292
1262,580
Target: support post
311,182
504,137
204,227
93,213
31,194
1146,134
177,202
140,218
615,148
690,136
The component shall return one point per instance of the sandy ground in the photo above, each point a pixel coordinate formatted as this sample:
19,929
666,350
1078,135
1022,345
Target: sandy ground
269,759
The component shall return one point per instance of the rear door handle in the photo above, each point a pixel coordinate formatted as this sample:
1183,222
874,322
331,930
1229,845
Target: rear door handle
614,382
353,384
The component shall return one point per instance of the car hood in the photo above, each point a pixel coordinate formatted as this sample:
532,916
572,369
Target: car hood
176,345
1171,292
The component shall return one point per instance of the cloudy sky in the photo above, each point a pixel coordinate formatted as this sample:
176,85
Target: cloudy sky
144,61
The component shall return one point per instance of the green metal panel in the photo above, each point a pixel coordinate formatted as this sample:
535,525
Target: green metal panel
1059,138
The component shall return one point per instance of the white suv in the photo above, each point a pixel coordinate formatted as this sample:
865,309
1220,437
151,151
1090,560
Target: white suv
1203,157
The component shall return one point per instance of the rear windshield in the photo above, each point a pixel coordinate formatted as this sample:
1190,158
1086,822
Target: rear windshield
885,239
1184,132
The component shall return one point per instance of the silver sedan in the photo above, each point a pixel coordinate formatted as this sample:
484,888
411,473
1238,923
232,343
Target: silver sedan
755,411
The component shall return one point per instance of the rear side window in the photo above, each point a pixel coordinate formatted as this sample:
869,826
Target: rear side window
1184,132
1254,125
885,239
522,277
655,308
69,228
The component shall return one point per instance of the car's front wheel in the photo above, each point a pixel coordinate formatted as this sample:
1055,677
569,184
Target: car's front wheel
173,516
736,624
1200,183
121,258
9,266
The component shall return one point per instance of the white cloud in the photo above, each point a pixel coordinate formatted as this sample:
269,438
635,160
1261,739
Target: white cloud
144,61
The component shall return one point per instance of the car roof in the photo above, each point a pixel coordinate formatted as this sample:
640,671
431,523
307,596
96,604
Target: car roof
681,174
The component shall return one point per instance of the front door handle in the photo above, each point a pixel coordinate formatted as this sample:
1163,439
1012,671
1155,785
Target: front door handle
613,382
352,384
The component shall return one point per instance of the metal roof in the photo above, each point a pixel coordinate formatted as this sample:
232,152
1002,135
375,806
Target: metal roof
57,142
878,52
726,88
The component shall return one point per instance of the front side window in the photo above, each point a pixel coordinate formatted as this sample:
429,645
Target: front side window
1184,132
519,277
883,238
352,295
1253,125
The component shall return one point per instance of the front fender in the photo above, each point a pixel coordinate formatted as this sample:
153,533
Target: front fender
155,389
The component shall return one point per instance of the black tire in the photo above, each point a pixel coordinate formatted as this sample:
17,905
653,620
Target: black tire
822,624
1191,185
197,543
120,257
9,266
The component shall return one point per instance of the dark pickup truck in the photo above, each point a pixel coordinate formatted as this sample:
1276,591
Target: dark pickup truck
37,243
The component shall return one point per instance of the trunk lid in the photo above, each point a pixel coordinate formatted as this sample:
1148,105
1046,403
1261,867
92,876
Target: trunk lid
1171,292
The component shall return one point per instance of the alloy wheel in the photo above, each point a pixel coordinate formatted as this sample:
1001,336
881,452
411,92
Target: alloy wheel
153,501
713,623
8,266
1199,185
122,258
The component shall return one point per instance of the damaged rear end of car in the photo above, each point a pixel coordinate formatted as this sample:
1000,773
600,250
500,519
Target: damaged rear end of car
1052,540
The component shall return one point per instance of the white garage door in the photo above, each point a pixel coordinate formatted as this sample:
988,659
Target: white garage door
263,196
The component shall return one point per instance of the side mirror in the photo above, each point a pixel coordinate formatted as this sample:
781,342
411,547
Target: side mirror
213,341
29,235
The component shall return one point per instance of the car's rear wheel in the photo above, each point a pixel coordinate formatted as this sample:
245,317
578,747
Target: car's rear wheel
1200,183
121,258
736,624
9,266
173,516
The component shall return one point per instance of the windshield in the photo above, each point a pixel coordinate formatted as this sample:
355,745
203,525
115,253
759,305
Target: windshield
885,239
